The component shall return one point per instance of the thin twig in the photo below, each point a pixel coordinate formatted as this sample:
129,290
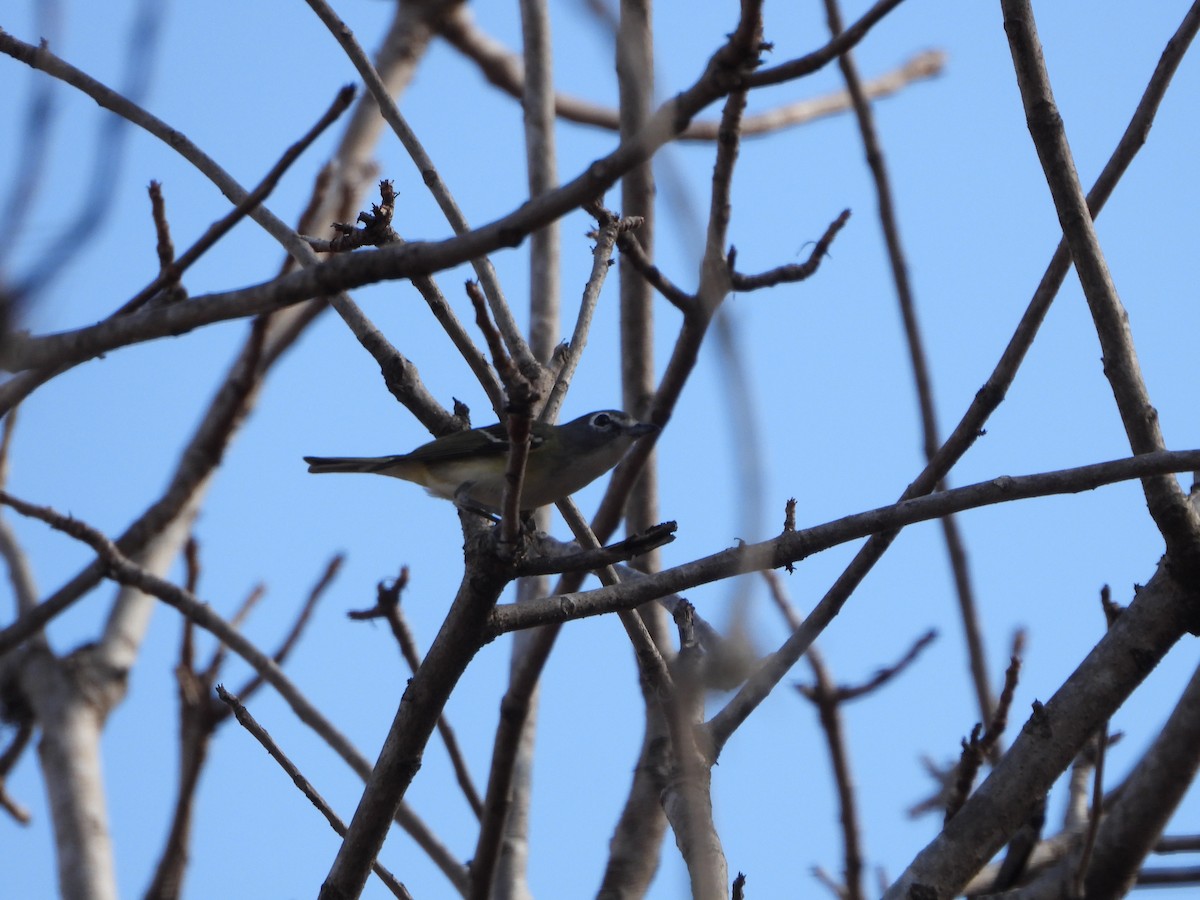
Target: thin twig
715,273
847,693
968,611
1178,843
164,246
303,617
22,737
259,733
591,560
812,62
387,605
631,250
518,420
793,272
446,317
20,571
1096,813
175,269
979,746
826,697
239,617
1161,875
606,237
1096,810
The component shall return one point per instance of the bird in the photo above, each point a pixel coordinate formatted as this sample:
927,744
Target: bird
468,467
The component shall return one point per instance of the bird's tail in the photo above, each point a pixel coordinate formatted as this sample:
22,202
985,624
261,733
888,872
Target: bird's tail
321,464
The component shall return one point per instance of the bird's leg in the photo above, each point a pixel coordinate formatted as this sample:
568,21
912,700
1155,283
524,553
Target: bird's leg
462,500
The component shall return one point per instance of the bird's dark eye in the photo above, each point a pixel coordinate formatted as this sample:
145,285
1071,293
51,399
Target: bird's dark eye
602,420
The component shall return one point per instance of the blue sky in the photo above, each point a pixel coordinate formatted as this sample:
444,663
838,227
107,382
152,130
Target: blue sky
833,397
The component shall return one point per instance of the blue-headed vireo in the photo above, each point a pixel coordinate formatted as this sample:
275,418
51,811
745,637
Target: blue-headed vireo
468,466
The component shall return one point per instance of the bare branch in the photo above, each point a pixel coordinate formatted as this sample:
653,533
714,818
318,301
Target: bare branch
826,697
1173,514
8,759
979,746
631,250
404,261
793,272
591,560
259,733
955,549
990,396
606,237
818,59
429,175
20,572
459,639
118,567
887,673
800,544
503,69
44,60
303,617
175,268
387,605
1051,738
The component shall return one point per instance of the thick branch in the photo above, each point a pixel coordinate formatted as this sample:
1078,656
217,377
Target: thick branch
1055,733
460,637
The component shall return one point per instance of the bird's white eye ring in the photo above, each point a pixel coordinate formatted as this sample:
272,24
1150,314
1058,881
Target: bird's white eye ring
602,420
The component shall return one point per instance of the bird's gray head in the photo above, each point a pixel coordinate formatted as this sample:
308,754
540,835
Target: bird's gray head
597,429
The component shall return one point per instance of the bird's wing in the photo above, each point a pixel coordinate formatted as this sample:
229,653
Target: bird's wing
491,441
